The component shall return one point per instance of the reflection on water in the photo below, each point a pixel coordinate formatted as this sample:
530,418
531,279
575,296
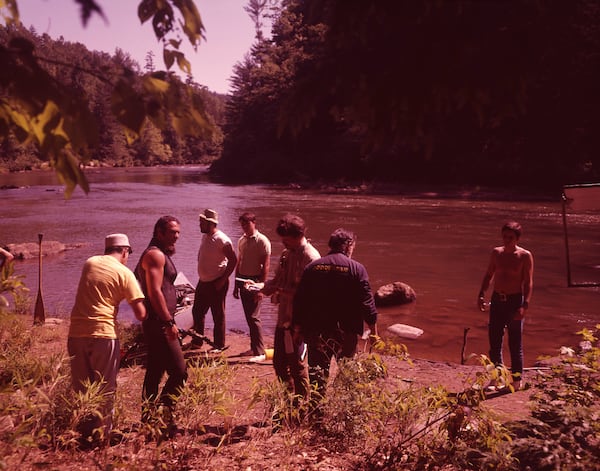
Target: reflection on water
438,246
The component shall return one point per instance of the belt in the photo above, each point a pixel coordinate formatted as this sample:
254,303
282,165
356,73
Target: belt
503,297
249,277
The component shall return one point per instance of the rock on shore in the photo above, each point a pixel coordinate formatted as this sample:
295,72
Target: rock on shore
27,250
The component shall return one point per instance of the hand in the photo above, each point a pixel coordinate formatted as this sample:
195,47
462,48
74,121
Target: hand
481,304
236,292
253,286
371,336
172,332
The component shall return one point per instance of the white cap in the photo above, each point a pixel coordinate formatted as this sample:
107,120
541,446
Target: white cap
116,240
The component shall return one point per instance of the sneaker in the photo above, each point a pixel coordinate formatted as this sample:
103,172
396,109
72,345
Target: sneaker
492,386
258,358
216,350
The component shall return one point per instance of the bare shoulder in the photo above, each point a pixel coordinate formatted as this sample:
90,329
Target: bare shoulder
524,252
153,257
497,251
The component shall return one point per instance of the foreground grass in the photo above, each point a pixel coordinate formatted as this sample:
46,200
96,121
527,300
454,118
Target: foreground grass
233,417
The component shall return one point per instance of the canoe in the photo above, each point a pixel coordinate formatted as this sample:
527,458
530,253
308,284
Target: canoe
185,301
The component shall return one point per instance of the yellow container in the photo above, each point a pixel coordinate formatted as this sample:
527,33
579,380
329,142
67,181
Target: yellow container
268,353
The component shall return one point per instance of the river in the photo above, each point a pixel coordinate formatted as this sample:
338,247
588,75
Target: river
438,244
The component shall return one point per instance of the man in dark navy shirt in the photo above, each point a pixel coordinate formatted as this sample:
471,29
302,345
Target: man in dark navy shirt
333,302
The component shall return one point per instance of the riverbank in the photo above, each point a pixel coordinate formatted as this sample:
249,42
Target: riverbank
225,417
408,189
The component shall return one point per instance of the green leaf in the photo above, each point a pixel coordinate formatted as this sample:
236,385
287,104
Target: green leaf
69,172
168,57
153,84
21,122
12,17
163,21
146,10
184,64
175,43
192,22
128,107
43,124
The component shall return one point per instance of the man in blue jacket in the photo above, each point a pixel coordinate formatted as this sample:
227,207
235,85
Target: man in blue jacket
333,302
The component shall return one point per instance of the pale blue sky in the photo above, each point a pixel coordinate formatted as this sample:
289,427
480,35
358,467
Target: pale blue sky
228,29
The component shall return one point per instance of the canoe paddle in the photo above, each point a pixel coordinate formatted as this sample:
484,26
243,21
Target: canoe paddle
39,316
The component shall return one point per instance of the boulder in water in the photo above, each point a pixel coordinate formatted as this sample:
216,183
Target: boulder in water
394,293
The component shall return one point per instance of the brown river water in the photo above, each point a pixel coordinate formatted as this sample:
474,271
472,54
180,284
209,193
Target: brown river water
438,244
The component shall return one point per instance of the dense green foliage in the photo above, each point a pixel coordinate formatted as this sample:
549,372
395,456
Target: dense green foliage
452,91
460,91
369,420
73,107
90,74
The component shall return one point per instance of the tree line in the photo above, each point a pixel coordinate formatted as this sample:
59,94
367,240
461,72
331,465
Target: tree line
463,91
436,92
85,73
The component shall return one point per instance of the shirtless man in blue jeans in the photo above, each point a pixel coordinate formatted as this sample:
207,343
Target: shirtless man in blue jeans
511,269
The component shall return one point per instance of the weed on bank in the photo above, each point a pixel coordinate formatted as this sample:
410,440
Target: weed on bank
367,420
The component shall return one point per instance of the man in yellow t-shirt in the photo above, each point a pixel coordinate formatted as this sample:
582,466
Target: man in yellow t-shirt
93,344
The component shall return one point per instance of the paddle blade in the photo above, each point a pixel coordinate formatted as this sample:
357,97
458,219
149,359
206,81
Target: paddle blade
39,316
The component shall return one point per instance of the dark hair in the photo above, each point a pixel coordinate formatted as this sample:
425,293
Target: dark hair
513,226
247,217
341,240
291,225
162,224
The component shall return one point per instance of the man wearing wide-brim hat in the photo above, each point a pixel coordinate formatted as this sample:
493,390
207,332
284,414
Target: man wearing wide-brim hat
93,344
216,261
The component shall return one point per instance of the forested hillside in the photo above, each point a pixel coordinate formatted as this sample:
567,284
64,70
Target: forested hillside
93,74
482,92
486,92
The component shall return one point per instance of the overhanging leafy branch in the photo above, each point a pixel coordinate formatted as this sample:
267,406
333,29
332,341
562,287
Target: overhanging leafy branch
37,108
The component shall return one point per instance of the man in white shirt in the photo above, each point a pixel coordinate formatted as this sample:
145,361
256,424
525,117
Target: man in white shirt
216,261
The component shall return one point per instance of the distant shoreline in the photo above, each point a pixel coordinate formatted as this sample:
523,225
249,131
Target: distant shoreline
409,190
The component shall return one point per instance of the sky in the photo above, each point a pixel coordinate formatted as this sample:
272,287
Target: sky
229,33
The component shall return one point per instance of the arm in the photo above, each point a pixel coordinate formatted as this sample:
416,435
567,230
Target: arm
236,285
527,283
487,279
266,261
5,256
139,310
154,265
231,264
272,285
368,305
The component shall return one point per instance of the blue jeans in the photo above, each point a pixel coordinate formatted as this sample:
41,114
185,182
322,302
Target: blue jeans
503,310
